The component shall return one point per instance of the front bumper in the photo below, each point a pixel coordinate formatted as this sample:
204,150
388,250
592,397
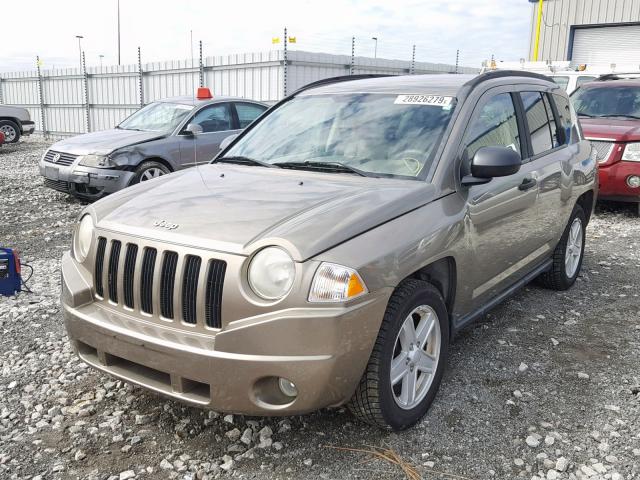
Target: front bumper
70,178
613,181
235,369
28,127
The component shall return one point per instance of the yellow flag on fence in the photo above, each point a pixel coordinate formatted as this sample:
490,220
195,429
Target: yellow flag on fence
292,40
275,40
39,63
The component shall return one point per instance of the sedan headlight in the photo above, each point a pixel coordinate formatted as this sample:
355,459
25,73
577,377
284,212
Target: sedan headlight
98,161
335,283
82,238
631,152
271,273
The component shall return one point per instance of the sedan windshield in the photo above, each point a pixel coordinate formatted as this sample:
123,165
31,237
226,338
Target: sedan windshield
364,134
609,101
157,117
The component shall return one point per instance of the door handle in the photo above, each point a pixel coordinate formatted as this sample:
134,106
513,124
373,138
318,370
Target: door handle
527,183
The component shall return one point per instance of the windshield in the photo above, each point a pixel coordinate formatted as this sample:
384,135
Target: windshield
377,134
157,117
609,101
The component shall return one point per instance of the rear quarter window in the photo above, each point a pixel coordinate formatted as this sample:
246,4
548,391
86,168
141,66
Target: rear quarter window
568,119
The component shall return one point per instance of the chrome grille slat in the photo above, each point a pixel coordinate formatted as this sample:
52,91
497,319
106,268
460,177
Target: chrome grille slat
65,159
213,302
167,284
146,280
114,260
190,288
99,266
128,274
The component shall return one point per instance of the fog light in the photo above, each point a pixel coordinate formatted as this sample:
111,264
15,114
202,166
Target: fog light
287,387
633,181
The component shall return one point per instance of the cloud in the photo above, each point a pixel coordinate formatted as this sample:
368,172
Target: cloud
162,29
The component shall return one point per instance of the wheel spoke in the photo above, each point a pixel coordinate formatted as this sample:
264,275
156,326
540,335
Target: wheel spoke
408,334
399,368
426,363
424,329
408,394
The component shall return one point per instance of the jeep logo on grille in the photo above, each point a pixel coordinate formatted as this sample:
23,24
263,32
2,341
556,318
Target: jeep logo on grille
165,224
55,158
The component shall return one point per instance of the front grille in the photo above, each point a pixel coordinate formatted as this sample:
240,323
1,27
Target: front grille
65,159
603,149
163,284
57,185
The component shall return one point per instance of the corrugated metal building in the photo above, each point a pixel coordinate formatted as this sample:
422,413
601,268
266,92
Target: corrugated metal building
588,31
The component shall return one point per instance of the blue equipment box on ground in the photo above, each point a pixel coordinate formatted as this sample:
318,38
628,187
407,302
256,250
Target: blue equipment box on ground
9,272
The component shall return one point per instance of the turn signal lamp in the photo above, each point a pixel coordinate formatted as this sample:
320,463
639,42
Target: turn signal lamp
335,283
203,93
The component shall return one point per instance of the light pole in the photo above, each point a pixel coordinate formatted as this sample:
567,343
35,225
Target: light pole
375,48
80,37
101,57
118,32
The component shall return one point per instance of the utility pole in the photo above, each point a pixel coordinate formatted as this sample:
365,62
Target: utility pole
538,27
80,37
118,32
375,48
101,57
285,72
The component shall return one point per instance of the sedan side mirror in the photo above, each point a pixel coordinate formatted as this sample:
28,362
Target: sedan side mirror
193,129
227,140
490,162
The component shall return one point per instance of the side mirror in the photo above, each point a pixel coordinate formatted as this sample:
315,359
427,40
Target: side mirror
227,140
193,129
490,162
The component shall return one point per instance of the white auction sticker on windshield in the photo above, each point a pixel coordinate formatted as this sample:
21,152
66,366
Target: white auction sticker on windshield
433,100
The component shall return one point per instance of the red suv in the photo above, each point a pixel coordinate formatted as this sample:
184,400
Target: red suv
609,112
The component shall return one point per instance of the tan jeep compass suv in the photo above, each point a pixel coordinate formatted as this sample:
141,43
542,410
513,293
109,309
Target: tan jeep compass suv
330,252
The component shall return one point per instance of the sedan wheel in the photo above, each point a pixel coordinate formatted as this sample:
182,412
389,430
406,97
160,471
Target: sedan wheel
416,355
151,173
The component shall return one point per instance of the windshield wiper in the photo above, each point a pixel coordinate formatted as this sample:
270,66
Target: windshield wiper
240,160
331,167
587,115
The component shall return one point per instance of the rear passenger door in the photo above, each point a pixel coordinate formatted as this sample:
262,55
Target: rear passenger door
546,158
503,215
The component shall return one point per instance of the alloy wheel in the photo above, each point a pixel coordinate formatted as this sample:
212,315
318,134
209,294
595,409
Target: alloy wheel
574,248
9,133
416,353
150,173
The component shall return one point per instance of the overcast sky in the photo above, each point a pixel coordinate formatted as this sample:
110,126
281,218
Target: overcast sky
479,28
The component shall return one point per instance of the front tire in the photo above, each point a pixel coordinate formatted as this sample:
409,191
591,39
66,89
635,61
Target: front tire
408,359
11,131
568,255
148,171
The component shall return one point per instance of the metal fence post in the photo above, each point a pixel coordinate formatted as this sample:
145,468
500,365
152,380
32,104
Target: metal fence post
85,88
285,72
353,56
41,95
140,82
201,67
412,70
1,95
457,59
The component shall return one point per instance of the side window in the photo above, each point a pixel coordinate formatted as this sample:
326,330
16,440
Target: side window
538,121
214,118
556,140
248,112
568,119
562,81
495,125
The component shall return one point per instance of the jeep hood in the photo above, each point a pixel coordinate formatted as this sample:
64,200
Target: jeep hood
104,142
611,128
238,209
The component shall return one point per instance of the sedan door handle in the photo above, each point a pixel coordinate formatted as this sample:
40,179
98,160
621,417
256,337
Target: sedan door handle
527,183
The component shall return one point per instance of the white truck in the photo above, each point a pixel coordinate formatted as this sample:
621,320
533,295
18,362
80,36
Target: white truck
15,122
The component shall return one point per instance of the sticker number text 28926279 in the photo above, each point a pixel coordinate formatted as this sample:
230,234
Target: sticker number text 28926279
435,100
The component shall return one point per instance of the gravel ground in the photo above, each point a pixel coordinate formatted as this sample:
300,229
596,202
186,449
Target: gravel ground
546,386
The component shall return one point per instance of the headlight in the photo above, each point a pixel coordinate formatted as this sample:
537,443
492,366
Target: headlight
99,161
271,273
335,283
631,152
82,238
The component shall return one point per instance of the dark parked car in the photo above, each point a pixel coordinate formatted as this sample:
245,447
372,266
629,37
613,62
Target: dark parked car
330,253
163,137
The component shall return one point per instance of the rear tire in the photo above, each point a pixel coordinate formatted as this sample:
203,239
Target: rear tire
11,131
568,255
149,170
383,400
